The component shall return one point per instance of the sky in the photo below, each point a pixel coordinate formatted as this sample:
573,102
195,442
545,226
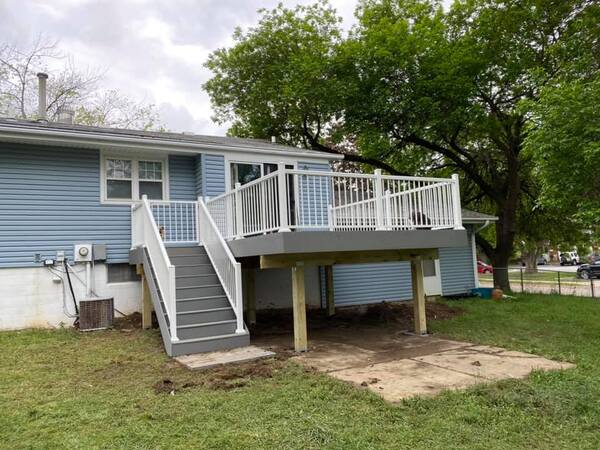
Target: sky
150,50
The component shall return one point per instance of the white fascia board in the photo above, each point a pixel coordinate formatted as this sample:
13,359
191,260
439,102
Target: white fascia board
41,136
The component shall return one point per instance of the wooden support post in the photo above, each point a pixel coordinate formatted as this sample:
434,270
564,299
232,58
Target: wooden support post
299,303
250,294
329,290
147,307
418,296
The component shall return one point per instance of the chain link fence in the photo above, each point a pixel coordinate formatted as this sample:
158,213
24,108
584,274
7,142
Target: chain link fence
545,281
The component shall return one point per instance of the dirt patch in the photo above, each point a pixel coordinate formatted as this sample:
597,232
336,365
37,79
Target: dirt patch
129,322
226,377
396,314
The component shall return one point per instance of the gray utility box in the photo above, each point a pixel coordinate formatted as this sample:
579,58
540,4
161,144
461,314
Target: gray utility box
96,314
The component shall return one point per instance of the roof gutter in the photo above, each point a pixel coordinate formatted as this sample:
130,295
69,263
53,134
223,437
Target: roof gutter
128,142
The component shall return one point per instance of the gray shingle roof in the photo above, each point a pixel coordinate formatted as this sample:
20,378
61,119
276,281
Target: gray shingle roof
189,138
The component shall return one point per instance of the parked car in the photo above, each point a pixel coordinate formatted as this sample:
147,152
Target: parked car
569,258
484,268
587,271
542,260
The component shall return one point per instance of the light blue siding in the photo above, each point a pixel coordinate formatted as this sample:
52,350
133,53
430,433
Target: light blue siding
198,175
359,284
50,199
182,177
456,270
213,175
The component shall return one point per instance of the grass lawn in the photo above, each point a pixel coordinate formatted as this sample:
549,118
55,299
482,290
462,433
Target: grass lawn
63,389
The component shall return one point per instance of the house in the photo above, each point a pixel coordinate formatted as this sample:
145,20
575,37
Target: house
207,229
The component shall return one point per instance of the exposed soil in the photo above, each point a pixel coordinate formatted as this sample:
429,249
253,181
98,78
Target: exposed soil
130,322
399,315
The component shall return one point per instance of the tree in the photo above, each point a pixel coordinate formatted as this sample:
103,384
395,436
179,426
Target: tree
565,144
68,88
417,88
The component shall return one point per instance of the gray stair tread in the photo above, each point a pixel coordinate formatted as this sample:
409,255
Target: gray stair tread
211,338
193,265
201,298
207,324
199,286
197,311
196,275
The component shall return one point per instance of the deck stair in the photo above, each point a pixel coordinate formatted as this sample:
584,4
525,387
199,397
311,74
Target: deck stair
205,319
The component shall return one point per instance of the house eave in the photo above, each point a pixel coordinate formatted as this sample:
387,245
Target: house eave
16,133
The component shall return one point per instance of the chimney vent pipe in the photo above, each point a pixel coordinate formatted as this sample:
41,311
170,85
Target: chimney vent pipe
42,77
273,139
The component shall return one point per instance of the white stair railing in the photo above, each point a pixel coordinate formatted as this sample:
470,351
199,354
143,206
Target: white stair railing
303,200
145,234
227,268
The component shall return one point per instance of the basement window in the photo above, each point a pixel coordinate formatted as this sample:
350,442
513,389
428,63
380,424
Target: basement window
121,273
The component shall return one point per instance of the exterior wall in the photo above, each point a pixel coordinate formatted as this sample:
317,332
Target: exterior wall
49,200
30,297
359,284
182,177
213,175
274,288
456,270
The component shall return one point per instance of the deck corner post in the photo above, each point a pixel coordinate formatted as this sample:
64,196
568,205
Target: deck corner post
457,211
299,308
282,199
420,318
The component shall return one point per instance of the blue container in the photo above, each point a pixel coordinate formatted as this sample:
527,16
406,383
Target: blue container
483,292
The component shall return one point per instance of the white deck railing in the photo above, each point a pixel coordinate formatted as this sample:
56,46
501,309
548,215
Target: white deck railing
313,200
176,220
228,269
145,234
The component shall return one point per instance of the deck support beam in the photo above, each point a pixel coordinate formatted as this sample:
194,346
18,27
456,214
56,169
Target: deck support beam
250,294
416,268
147,307
299,306
329,293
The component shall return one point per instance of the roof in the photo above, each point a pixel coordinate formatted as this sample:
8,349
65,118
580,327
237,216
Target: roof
83,133
469,216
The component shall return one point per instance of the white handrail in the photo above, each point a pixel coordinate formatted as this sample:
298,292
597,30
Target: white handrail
176,220
310,199
147,236
227,268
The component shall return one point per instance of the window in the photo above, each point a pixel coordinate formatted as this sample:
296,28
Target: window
429,268
130,179
118,179
150,175
246,172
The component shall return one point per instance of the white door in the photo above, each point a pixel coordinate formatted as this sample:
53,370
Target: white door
432,282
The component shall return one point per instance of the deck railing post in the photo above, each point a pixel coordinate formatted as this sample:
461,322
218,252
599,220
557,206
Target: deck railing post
239,221
388,211
282,194
456,203
379,213
239,299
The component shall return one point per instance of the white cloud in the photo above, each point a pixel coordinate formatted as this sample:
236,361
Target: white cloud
151,50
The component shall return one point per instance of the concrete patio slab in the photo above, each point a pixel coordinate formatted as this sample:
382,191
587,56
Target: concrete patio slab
405,378
213,359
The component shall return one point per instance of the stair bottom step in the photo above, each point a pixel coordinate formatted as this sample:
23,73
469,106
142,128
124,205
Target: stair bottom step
210,344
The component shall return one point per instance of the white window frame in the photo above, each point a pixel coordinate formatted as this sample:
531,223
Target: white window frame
135,179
